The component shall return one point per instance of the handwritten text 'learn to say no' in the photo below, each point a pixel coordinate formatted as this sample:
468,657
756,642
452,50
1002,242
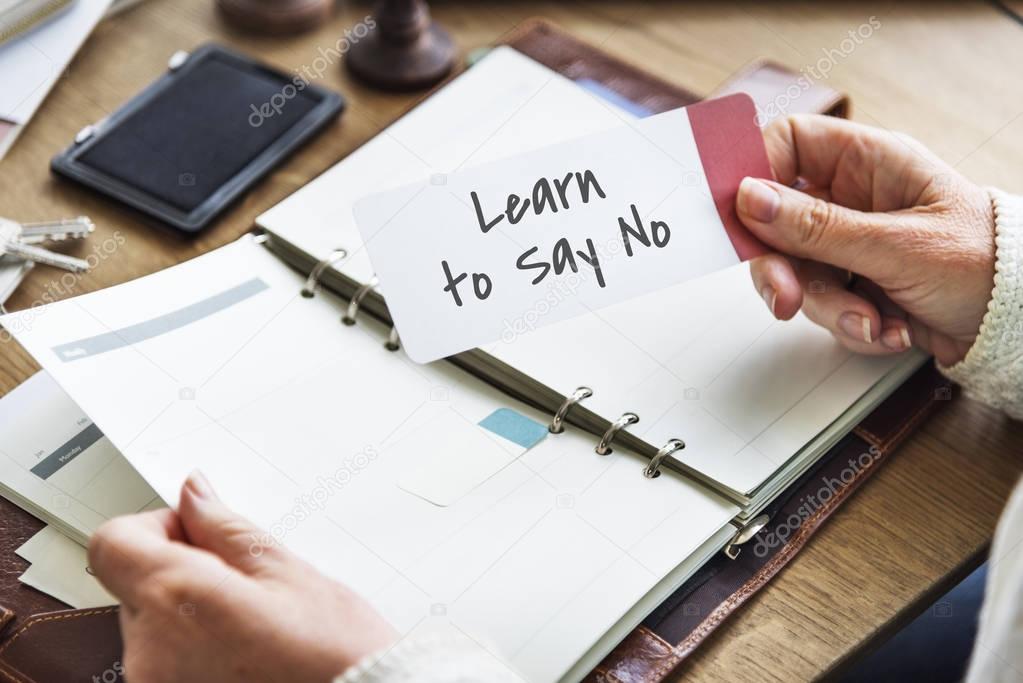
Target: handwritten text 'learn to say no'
553,195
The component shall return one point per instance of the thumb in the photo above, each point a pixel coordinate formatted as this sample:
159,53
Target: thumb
798,224
214,527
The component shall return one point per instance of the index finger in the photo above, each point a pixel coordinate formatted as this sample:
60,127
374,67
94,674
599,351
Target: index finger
817,147
808,146
125,551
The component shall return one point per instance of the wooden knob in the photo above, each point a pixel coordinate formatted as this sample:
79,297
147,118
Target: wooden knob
276,17
403,50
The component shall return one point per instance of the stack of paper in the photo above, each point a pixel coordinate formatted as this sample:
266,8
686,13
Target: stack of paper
12,273
56,464
32,64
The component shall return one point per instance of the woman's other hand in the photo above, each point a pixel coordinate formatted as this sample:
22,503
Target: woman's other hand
882,243
198,605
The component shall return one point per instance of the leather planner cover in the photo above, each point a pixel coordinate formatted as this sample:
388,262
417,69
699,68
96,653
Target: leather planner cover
43,643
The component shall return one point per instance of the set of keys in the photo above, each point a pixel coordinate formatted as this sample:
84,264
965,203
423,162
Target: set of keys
21,241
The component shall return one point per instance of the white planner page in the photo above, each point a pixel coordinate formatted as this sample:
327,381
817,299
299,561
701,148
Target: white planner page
703,361
310,428
57,463
706,362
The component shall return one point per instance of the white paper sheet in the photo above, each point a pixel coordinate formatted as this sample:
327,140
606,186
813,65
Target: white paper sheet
12,274
33,62
60,569
220,364
451,461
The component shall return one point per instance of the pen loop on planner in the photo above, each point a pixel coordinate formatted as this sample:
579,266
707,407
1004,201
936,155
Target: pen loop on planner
653,470
392,343
744,534
353,304
556,426
313,281
604,447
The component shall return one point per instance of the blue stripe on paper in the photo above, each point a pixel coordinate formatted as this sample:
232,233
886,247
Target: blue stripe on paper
515,427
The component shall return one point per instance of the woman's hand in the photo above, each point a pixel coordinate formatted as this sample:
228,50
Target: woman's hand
198,606
883,243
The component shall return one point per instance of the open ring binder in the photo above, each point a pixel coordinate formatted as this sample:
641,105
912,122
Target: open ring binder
604,447
353,304
653,470
309,288
556,426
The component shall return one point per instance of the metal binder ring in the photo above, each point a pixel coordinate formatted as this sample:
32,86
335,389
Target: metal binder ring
604,447
309,288
579,394
353,304
653,470
392,343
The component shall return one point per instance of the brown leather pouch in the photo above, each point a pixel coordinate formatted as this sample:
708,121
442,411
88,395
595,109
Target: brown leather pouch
775,90
71,645
79,645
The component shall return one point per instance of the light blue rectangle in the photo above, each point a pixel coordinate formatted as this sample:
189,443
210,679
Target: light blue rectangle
515,427
617,99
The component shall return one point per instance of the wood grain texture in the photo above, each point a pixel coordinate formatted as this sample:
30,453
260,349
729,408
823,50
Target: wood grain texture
945,73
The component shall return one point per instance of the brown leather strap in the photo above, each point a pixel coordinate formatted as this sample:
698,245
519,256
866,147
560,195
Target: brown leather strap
642,656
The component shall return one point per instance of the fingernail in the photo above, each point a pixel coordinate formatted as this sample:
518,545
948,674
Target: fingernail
769,296
758,200
896,339
855,326
198,484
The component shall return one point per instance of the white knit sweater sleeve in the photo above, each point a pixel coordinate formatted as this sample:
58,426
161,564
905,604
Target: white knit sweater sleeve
448,657
992,371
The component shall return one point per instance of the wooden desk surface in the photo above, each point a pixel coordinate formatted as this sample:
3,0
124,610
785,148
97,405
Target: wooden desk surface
947,74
